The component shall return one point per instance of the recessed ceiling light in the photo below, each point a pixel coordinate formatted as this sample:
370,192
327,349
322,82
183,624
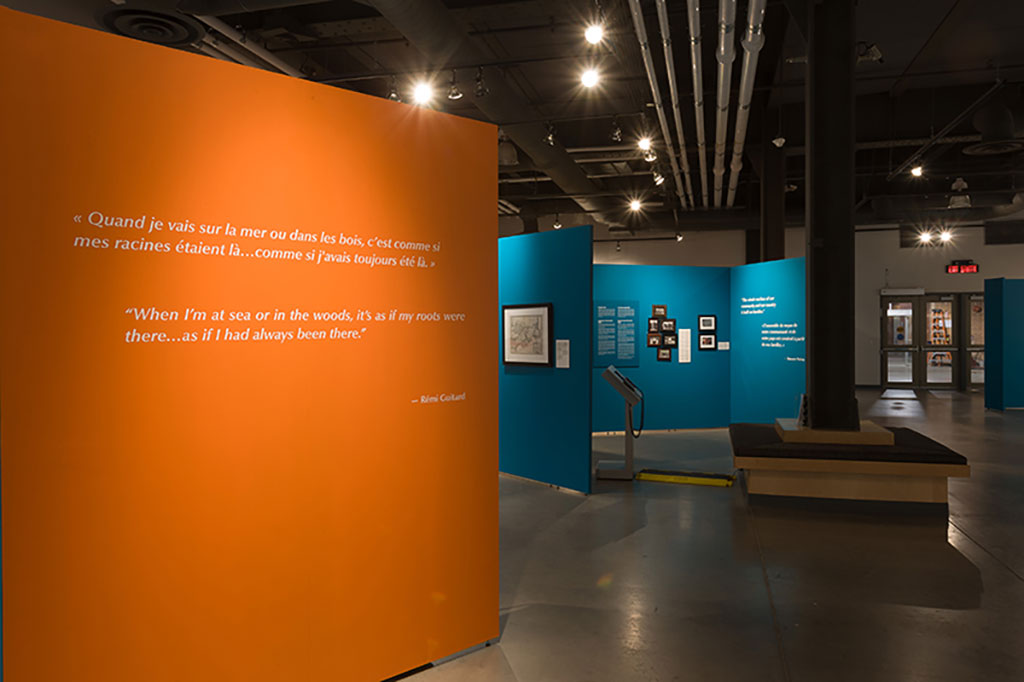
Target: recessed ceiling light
589,78
594,33
423,93
917,171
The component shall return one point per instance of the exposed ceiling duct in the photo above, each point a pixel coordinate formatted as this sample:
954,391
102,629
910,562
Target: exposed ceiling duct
693,14
221,7
998,130
238,37
645,51
429,26
753,41
670,66
725,56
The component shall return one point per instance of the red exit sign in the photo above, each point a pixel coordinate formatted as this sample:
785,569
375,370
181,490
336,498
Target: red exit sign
962,268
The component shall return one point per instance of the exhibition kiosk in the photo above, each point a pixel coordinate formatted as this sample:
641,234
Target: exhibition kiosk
235,367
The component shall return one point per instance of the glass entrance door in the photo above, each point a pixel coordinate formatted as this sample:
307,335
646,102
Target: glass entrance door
923,346
899,341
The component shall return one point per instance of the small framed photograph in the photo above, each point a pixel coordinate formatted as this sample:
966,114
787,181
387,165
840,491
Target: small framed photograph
706,342
669,340
653,340
528,334
653,324
707,323
659,311
668,325
664,355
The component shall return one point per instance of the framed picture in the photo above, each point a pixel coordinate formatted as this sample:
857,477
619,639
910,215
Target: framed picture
659,311
707,323
528,334
670,340
664,355
653,324
706,342
653,340
668,325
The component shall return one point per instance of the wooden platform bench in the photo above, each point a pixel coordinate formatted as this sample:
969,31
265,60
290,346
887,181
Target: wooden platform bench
914,468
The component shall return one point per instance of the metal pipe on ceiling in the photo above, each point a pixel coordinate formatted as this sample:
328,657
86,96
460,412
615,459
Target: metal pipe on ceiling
645,51
693,14
215,53
236,36
670,66
752,43
725,56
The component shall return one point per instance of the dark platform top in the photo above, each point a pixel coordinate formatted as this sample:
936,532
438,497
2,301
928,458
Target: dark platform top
761,440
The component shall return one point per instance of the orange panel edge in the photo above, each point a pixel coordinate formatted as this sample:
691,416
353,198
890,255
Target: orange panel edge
248,371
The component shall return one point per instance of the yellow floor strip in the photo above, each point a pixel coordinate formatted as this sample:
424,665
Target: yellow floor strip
682,478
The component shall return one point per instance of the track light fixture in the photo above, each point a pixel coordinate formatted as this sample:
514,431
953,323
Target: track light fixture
618,246
589,78
393,90
917,171
616,130
659,179
650,156
635,205
594,33
557,224
644,143
453,90
679,236
549,139
925,237
481,88
945,236
423,93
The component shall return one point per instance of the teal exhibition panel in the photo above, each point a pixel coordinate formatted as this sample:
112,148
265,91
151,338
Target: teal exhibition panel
737,343
678,395
544,411
1004,339
768,369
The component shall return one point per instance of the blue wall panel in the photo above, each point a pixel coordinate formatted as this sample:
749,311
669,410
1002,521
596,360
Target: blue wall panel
768,311
1004,341
678,396
544,412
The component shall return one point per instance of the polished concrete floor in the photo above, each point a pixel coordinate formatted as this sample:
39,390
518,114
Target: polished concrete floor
654,581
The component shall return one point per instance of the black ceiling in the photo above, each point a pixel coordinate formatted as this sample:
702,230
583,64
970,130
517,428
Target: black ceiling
924,63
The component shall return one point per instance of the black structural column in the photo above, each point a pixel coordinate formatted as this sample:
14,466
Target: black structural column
773,191
830,248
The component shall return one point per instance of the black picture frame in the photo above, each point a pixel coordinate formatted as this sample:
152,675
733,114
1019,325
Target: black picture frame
668,324
707,323
670,340
541,338
654,340
707,342
653,324
664,355
659,310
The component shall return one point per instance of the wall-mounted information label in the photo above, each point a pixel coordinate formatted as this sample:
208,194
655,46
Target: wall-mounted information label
615,324
562,353
723,345
684,345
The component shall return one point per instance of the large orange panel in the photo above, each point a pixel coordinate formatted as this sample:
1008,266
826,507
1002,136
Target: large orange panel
273,506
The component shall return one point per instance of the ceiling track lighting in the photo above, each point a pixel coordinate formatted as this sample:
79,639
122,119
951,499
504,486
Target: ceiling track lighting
917,171
659,179
393,90
453,90
481,88
423,93
616,135
557,224
590,77
594,32
635,205
650,156
549,139
679,236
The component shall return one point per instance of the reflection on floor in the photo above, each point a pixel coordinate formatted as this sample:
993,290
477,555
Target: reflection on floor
653,581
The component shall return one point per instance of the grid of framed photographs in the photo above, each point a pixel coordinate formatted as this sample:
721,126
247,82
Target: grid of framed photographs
661,332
